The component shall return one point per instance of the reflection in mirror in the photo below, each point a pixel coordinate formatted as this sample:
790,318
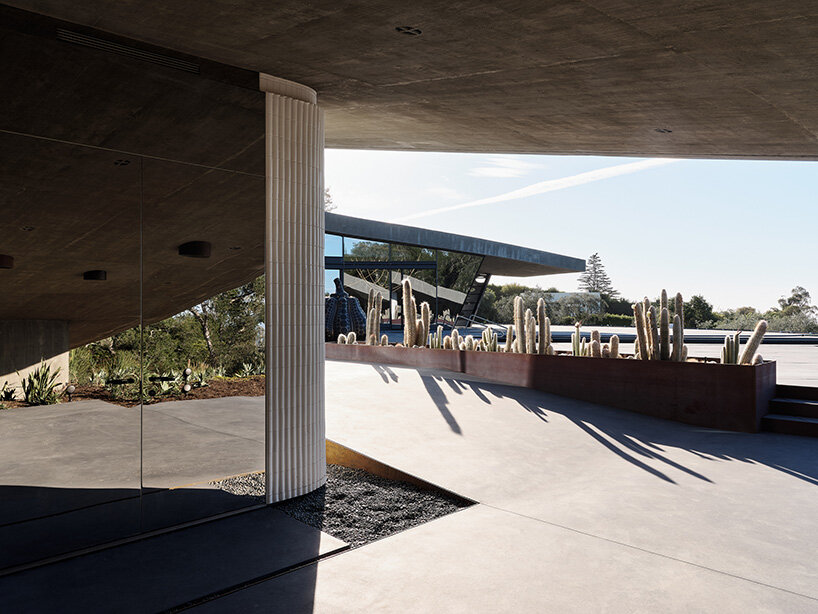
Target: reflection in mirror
203,341
69,349
360,250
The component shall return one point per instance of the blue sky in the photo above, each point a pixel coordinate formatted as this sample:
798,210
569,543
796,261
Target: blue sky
737,232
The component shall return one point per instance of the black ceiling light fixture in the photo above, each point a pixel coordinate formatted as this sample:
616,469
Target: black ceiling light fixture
409,30
663,130
6,262
195,249
95,275
122,162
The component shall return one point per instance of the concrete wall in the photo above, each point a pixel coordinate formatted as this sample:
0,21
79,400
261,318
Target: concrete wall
24,344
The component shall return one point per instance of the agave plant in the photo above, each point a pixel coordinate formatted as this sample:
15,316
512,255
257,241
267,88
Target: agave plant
7,392
40,386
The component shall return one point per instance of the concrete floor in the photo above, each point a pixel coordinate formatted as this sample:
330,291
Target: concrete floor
582,508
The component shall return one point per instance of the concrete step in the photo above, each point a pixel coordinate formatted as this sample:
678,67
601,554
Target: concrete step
790,425
807,393
794,407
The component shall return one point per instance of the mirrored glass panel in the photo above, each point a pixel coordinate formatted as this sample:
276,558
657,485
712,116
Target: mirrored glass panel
69,348
410,253
356,249
203,339
333,245
455,274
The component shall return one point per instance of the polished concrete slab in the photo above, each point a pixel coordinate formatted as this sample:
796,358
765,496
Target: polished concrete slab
169,570
583,508
483,559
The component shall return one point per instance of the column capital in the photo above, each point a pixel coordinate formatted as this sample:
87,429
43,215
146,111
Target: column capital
283,87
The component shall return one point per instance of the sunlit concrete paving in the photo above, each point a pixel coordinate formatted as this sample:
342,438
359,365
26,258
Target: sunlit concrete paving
581,508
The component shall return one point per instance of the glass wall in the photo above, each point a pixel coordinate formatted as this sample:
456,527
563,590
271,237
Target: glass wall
438,277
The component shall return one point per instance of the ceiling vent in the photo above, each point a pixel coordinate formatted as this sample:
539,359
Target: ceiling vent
132,52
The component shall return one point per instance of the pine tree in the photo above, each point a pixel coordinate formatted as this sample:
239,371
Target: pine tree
595,279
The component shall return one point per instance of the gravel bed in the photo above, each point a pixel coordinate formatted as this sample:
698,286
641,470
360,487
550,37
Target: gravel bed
355,506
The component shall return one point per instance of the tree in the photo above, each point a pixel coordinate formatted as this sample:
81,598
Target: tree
328,204
797,302
595,279
698,312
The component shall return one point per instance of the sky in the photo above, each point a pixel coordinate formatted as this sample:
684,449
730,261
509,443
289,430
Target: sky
737,232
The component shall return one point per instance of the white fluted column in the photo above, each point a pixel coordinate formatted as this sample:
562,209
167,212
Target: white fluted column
296,453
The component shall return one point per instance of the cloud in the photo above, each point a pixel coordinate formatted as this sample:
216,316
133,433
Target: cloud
552,185
504,166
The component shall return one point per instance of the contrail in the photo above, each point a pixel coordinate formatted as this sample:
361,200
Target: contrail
551,185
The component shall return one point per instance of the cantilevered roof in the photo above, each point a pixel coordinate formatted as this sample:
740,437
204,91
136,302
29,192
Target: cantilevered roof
702,78
498,258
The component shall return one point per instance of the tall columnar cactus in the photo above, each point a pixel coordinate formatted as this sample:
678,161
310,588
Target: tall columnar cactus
544,328
595,336
469,342
680,308
641,331
753,343
519,325
455,339
509,346
489,340
614,346
426,317
663,300
576,340
653,334
352,338
678,338
447,343
384,340
436,340
342,339
409,332
530,332
664,331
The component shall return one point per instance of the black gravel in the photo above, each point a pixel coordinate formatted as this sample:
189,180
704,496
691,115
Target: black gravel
356,506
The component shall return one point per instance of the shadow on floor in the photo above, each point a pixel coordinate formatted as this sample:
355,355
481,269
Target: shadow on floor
159,573
636,438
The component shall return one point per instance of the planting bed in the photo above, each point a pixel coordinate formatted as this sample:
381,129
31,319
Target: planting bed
356,506
730,397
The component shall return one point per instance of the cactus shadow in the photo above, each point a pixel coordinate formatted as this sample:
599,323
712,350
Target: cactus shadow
440,400
386,373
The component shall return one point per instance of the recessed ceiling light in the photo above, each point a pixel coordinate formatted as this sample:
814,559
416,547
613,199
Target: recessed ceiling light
122,162
6,262
195,249
409,30
663,130
95,275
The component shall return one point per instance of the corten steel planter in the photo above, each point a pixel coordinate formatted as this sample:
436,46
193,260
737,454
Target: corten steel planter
730,397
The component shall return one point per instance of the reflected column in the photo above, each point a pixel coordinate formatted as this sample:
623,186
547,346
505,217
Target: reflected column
295,437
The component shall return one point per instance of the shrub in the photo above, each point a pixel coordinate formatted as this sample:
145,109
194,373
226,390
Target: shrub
40,386
7,393
607,319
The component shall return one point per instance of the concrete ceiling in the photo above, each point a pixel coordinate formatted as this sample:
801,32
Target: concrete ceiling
730,78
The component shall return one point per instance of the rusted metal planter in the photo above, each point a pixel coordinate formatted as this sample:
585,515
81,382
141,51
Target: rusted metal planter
729,397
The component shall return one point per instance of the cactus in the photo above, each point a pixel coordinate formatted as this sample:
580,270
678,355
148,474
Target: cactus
606,351
653,334
596,351
352,338
384,340
409,332
426,318
509,347
757,359
469,343
447,343
550,351
455,339
519,325
678,338
436,340
614,346
595,336
342,339
680,309
489,340
664,331
575,340
543,327
641,331
753,343
530,332
684,353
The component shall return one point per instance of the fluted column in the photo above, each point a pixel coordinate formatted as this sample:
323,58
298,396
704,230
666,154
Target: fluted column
295,447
